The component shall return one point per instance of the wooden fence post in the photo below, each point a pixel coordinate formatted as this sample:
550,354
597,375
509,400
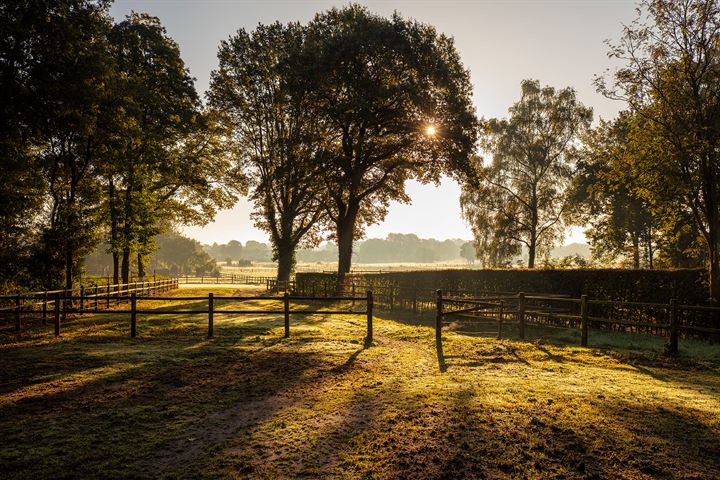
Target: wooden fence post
438,329
673,326
57,314
82,299
286,311
369,313
96,297
211,311
18,304
521,315
133,314
107,295
583,321
500,318
44,310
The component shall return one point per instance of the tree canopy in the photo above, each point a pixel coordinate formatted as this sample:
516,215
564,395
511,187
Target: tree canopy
521,197
378,84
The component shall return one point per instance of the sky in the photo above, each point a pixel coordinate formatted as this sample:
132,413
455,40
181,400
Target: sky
559,42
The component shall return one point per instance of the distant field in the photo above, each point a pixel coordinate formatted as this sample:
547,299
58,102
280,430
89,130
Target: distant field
269,268
250,404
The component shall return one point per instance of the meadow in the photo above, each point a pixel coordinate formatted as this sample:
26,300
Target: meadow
249,403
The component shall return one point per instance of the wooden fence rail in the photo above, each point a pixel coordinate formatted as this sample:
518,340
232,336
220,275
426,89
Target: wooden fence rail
522,309
212,309
94,298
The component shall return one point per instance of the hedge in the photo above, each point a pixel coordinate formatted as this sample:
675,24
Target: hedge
689,286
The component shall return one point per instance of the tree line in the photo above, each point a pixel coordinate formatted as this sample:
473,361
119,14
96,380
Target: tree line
396,247
174,254
104,138
646,183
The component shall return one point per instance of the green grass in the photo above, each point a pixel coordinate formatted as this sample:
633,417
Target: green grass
250,404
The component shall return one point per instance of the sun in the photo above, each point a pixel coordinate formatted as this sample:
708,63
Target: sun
430,130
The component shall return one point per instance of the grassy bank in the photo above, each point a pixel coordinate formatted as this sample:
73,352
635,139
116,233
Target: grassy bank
250,404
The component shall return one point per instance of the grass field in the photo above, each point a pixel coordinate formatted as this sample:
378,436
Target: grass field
251,404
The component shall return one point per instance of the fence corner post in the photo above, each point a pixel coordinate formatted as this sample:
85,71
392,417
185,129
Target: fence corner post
82,299
673,326
211,313
286,312
438,330
133,314
369,313
521,315
583,321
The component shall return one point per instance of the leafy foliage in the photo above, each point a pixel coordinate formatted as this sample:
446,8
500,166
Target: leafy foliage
522,196
261,89
671,79
377,84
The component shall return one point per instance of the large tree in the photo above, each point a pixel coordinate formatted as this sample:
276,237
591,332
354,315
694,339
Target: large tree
395,101
261,87
671,78
607,195
522,195
68,108
167,164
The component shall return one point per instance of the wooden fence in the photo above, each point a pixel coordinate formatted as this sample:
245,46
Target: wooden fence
81,305
270,283
27,306
670,320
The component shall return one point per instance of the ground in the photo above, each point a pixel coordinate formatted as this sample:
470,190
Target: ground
250,404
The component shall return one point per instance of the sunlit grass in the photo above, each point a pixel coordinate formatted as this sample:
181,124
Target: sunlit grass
248,403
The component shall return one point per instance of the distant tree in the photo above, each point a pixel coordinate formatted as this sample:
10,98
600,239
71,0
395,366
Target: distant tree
257,251
234,250
607,195
521,198
671,78
467,251
378,85
177,254
261,88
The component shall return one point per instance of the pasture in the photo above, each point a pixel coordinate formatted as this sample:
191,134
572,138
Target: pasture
249,403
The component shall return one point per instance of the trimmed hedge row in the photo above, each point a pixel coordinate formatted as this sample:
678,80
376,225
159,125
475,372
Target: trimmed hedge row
689,286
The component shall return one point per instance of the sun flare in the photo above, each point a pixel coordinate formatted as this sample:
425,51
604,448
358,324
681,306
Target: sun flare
430,130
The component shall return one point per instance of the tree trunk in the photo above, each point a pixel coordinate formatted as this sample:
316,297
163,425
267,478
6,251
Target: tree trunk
345,237
116,267
140,267
69,257
114,230
636,252
714,272
532,249
126,265
286,260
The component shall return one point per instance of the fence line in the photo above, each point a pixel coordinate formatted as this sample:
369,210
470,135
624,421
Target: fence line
271,283
88,299
211,311
523,310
